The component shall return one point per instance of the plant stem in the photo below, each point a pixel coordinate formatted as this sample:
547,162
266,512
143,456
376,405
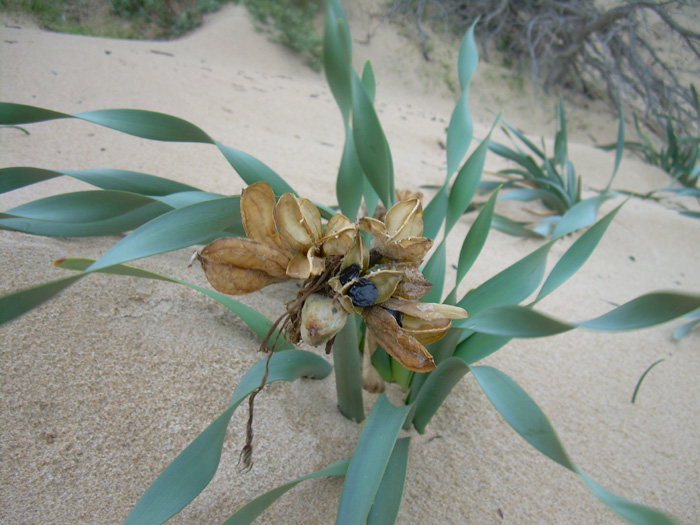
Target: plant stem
348,377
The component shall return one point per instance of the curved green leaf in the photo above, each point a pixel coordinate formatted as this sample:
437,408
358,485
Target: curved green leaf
117,224
512,285
641,379
466,182
250,512
177,229
155,126
528,420
435,390
434,271
479,346
369,461
387,502
350,180
435,212
371,144
107,179
20,302
252,170
81,206
195,466
475,239
576,255
460,132
461,126
580,215
146,124
11,114
337,57
510,320
647,310
348,375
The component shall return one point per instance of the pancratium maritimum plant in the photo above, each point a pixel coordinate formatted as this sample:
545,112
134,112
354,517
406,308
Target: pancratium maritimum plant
341,277
363,287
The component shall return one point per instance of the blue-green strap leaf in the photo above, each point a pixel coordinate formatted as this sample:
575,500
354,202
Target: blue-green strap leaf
576,255
435,389
195,466
528,420
153,126
466,182
371,144
369,461
512,285
521,321
387,502
18,303
107,179
461,126
177,229
119,223
250,512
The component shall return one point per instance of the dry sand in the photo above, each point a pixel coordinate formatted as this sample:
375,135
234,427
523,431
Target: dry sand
104,385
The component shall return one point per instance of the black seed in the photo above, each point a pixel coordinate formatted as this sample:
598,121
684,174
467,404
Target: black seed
350,273
363,293
397,315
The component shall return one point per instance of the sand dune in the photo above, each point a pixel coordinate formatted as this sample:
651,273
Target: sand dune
103,386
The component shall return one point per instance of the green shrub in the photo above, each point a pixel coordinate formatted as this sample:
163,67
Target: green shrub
291,23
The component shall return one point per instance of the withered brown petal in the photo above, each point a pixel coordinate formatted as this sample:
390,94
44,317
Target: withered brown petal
401,346
247,254
257,214
290,220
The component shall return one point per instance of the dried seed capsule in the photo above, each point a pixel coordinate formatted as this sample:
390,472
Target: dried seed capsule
321,319
397,315
350,273
363,293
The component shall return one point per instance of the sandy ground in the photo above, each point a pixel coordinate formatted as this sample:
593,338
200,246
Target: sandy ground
103,386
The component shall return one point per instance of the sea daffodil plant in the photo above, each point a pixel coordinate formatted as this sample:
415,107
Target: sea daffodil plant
364,287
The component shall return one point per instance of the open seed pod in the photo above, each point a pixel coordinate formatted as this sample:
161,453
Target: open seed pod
321,319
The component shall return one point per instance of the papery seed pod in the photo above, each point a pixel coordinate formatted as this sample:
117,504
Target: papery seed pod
338,236
297,222
237,266
425,332
321,319
413,285
257,215
425,311
386,282
400,345
356,255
